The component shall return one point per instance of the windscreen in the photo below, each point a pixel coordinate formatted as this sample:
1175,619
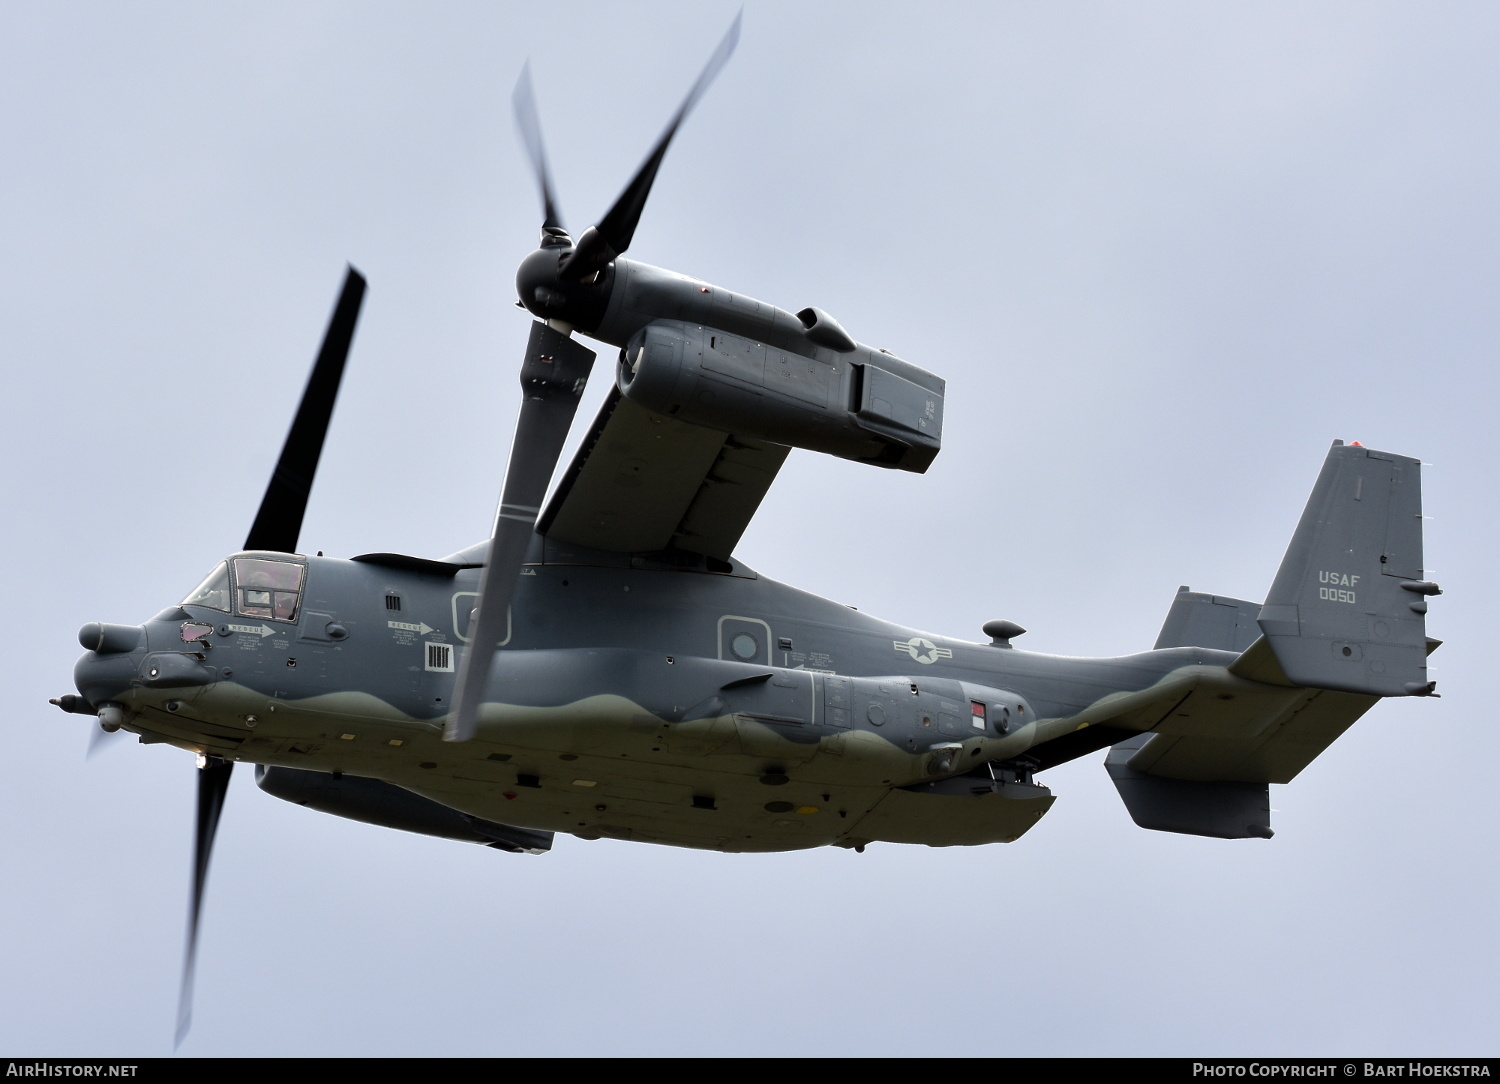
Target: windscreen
213,592
266,588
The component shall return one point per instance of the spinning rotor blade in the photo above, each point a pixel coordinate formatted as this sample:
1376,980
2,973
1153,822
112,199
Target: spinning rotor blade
279,521
213,784
552,379
276,527
611,237
99,738
529,123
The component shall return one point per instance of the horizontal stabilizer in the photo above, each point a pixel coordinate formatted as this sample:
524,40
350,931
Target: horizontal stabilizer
1347,608
1223,810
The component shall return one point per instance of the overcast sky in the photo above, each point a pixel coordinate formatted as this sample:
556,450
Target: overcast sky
1163,253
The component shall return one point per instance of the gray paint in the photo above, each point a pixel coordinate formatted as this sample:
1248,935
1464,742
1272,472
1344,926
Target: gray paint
1218,809
1348,607
1209,621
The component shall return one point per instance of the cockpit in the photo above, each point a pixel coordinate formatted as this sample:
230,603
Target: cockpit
254,586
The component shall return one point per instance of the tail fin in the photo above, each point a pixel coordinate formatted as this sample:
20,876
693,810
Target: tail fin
1223,810
1347,610
1197,619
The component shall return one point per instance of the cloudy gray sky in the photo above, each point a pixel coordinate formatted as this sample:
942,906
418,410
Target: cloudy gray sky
1162,252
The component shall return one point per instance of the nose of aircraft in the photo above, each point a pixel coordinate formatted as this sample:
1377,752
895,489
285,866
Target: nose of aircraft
111,661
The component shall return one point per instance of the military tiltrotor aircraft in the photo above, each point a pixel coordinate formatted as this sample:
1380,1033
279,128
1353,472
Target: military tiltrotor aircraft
603,666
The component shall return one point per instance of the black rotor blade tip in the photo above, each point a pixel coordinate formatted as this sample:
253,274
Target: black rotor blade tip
213,785
279,521
617,227
529,124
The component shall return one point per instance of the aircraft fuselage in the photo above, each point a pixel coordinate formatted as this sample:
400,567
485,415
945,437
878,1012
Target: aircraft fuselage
633,698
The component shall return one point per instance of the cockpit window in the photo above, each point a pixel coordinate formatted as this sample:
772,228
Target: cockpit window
213,592
267,588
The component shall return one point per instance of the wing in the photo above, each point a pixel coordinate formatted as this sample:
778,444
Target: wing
643,482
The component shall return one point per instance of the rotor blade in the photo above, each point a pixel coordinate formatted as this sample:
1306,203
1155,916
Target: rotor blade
552,379
612,236
279,521
529,123
213,784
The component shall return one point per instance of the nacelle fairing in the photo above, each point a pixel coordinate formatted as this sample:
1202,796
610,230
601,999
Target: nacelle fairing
861,404
711,357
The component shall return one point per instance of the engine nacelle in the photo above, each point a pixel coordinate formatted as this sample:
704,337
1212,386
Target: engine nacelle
857,403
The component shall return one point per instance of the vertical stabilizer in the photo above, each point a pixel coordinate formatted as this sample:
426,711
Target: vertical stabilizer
1347,609
1197,619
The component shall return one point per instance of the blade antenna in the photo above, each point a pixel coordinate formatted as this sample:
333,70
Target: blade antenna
612,236
279,521
553,376
213,785
529,124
